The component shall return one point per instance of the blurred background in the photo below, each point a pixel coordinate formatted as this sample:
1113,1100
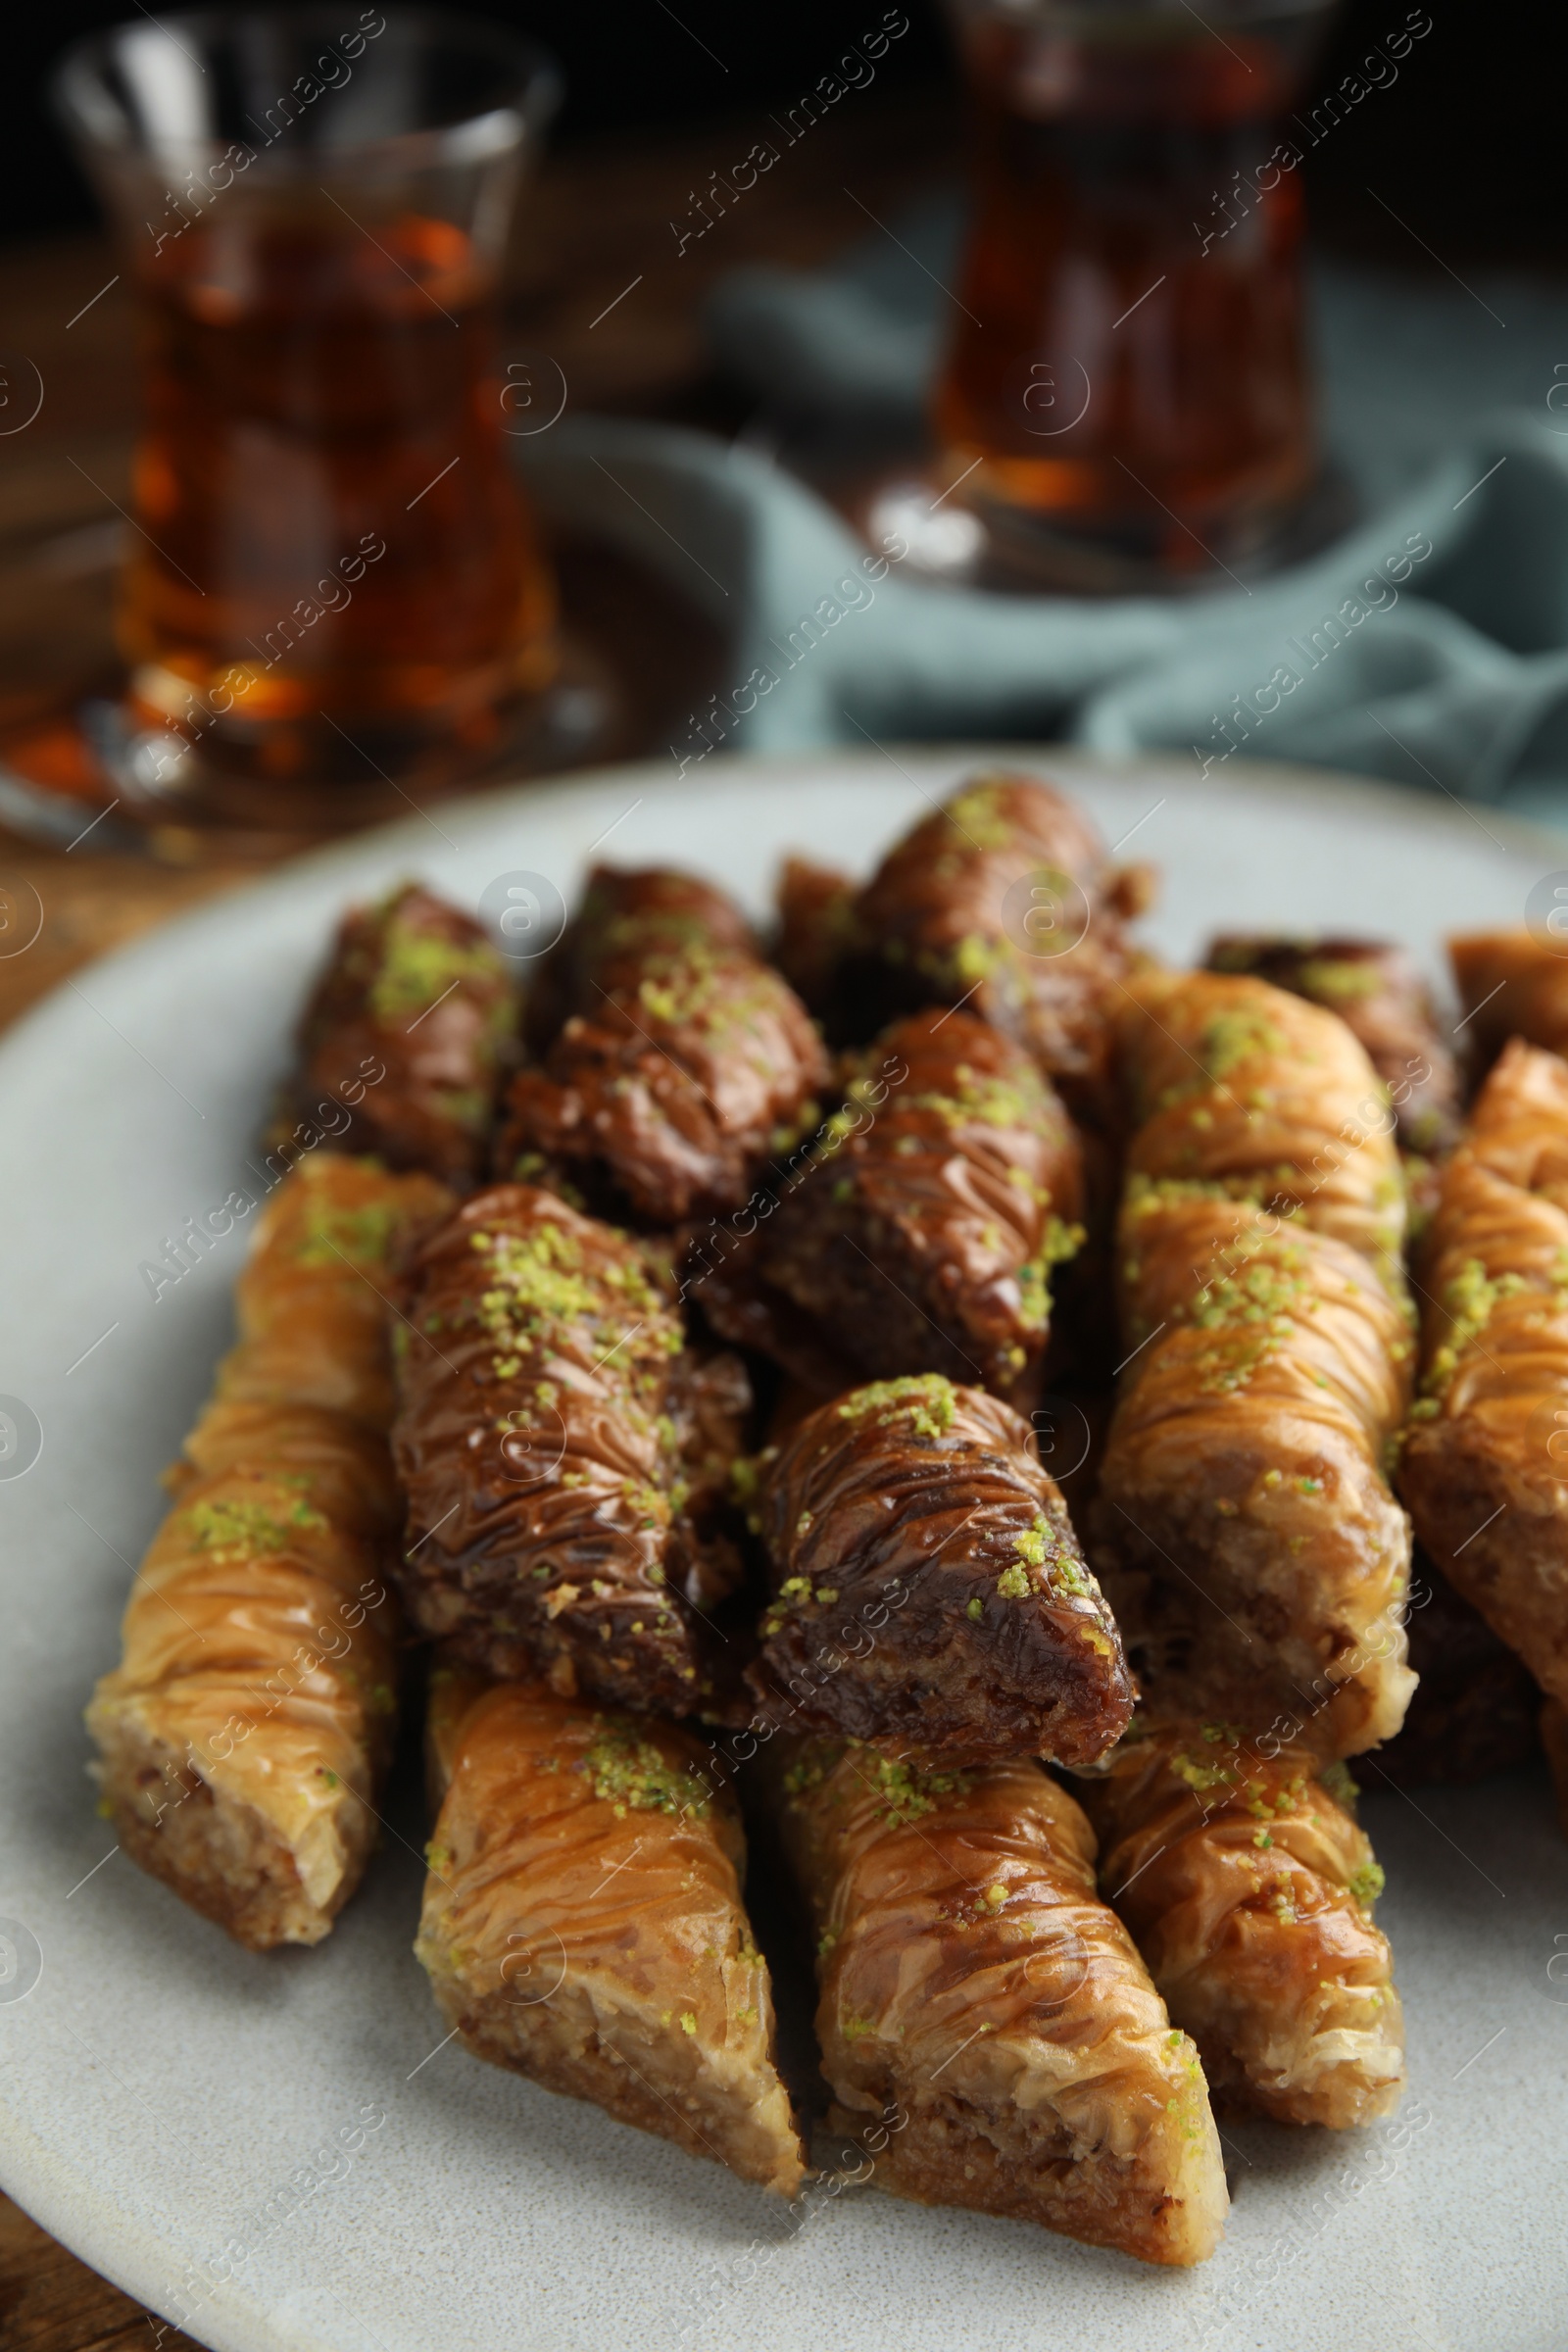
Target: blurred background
1469,133
1436,265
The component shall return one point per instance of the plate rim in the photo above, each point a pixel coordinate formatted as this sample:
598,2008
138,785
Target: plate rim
1285,780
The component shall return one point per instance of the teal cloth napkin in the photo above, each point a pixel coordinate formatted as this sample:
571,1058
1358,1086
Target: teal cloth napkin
1429,646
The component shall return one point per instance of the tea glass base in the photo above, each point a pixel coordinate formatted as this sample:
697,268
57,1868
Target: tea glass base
94,770
636,658
958,539
984,541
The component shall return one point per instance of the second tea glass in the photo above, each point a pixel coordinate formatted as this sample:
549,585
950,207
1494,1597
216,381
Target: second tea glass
1128,359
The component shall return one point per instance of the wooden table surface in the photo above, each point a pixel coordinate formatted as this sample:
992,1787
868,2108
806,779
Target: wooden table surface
598,219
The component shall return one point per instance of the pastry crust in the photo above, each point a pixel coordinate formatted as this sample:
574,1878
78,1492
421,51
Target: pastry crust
1483,1466
985,2021
404,1040
1251,1092
815,914
243,1735
921,1230
670,1061
1383,1001
928,1585
935,924
1249,1889
1510,985
1476,1709
583,1926
549,1414
1268,1362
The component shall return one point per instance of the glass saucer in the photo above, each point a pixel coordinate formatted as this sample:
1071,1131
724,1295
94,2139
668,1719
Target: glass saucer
957,540
78,761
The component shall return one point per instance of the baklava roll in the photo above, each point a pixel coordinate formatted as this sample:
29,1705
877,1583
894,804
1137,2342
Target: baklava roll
1003,899
1245,1093
921,1232
1383,1001
1268,1357
244,1732
669,1061
583,1924
1483,1466
928,1586
550,1423
1476,1708
1248,1886
408,1032
1511,985
816,909
986,2025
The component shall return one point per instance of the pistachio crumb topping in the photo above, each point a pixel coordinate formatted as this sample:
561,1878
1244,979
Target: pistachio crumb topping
229,1528
1060,1243
1200,1775
542,1280
1470,1298
927,1397
1232,1038
909,1791
743,1477
333,1229
414,966
1336,980
977,810
633,1774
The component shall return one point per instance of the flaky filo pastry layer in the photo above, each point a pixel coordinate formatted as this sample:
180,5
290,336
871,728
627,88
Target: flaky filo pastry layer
410,1028
583,1924
245,1729
1269,1358
922,1229
928,1585
559,1442
1484,1465
670,1060
984,2021
1249,1889
1005,900
1511,985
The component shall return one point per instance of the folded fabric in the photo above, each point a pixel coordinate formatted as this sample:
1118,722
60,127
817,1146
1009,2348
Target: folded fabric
1429,645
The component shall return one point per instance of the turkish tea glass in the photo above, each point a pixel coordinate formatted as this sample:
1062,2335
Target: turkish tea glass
332,568
1128,359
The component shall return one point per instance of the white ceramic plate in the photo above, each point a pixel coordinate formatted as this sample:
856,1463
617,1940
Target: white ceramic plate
274,2151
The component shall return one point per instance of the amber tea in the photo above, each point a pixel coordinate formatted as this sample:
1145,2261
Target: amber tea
329,523
1129,357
